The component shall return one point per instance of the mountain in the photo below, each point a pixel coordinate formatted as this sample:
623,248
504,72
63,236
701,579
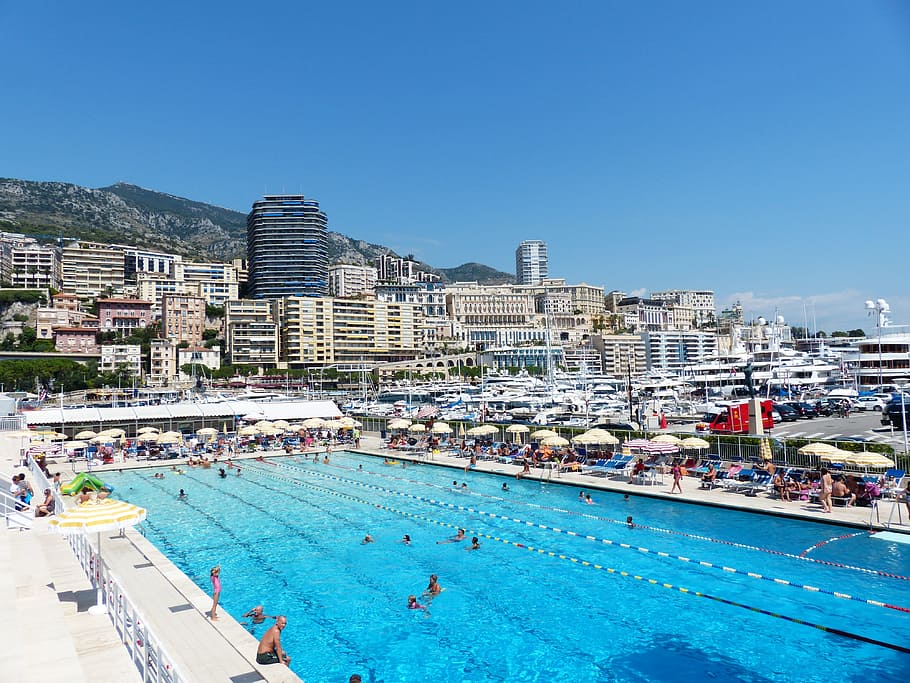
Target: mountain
128,214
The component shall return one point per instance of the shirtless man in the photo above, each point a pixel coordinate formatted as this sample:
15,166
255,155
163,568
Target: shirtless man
270,651
457,538
257,615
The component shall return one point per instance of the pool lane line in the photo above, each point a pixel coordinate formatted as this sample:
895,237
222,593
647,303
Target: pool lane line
609,570
645,550
673,532
827,541
618,544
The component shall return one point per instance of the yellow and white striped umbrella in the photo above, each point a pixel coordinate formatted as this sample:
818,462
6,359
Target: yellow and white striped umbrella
103,515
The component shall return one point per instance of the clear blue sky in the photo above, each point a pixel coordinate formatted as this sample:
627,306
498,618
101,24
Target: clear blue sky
759,149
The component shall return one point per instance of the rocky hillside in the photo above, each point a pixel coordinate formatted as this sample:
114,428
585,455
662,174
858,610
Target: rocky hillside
127,214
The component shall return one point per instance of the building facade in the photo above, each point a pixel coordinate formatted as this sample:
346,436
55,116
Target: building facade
123,315
126,357
251,329
287,248
35,266
182,318
91,270
346,280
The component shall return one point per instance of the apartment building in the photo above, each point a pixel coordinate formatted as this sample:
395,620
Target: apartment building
49,319
163,368
694,308
622,354
673,349
251,328
75,339
346,280
216,283
35,266
503,315
123,315
365,331
121,356
91,270
182,318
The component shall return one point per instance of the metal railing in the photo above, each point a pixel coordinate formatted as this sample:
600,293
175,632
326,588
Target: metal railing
13,510
11,423
143,646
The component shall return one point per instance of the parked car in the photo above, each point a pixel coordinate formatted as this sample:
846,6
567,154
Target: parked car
869,403
832,406
787,414
803,409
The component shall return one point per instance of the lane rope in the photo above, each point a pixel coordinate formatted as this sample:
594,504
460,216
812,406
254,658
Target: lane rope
591,565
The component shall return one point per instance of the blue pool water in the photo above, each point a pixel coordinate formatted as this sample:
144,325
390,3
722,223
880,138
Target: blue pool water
537,602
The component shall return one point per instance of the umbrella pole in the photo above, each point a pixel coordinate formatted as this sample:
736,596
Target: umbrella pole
99,607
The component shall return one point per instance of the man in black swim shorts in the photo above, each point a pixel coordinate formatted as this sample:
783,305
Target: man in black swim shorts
270,651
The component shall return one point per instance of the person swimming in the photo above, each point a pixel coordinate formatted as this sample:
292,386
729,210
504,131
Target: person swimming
629,521
457,538
366,539
406,540
413,604
505,486
182,494
475,544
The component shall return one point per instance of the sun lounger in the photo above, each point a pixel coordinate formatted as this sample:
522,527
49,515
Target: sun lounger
598,469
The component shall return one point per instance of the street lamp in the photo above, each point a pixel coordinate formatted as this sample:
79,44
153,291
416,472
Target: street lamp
881,309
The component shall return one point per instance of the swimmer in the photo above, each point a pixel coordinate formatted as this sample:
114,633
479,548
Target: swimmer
359,467
366,539
257,615
625,496
464,487
406,540
222,473
433,589
182,494
589,500
475,544
238,471
413,604
457,538
629,521
581,496
454,484
505,486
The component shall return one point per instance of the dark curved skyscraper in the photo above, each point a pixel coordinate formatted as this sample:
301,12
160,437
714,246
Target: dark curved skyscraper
287,248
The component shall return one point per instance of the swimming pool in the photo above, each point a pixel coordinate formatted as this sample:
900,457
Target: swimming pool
558,591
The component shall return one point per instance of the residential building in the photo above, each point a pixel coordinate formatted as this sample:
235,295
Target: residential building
673,349
35,266
363,331
163,368
123,315
287,248
75,339
127,357
642,315
182,318
8,242
495,316
623,354
346,280
584,298
397,270
153,288
138,261
251,330
48,319
68,301
694,308
200,357
531,262
217,283
91,270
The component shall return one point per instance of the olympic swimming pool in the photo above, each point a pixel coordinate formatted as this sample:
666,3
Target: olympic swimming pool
559,591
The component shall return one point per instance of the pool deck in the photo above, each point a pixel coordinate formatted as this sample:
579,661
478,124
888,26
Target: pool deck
40,576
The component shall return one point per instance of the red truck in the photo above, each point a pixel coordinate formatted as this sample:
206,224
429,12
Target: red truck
733,418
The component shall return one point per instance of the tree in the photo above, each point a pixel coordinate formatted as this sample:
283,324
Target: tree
214,311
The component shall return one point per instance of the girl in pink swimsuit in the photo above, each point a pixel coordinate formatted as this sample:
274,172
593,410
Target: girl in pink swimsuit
215,576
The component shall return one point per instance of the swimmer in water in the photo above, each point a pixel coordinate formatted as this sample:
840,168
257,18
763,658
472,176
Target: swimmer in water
433,588
457,538
589,500
406,540
182,494
366,539
629,521
505,486
475,544
413,604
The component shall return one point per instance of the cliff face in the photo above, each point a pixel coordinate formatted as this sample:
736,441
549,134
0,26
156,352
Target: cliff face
127,214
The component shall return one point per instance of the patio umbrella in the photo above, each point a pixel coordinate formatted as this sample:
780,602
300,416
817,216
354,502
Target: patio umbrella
114,432
818,448
518,429
348,423
399,423
836,456
868,459
48,436
249,430
483,430
313,423
296,427
170,437
265,424
557,441
543,434
417,428
74,445
282,424
207,431
637,444
86,434
98,516
667,438
146,430
441,428
694,443
595,436
661,447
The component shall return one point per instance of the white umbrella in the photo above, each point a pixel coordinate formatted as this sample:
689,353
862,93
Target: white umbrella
207,431
249,430
417,428
74,445
146,430
818,448
282,424
483,430
400,423
115,432
543,434
98,516
557,441
694,443
441,428
314,423
518,429
667,438
86,434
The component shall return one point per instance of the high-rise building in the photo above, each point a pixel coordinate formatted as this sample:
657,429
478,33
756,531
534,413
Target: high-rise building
531,262
287,248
